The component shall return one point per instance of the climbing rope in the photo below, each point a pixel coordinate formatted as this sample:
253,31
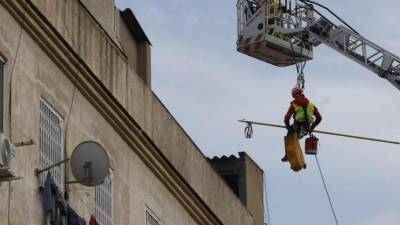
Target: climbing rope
301,81
267,213
326,190
299,68
248,131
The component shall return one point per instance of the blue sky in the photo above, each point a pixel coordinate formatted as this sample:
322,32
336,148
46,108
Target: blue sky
207,85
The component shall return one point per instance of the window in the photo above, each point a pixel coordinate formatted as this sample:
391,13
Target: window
1,94
51,143
104,201
151,219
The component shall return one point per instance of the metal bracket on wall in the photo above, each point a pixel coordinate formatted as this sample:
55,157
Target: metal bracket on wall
39,171
24,143
9,179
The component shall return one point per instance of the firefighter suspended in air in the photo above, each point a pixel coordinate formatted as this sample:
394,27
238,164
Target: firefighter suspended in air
305,114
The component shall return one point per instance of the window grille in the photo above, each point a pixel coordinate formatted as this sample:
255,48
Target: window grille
151,219
104,201
51,144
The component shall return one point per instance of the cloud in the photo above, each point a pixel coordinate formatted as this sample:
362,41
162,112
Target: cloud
389,217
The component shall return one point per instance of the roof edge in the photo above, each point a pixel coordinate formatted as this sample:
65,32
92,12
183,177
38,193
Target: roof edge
244,154
134,25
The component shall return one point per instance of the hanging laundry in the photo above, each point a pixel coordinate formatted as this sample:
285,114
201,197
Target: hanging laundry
74,218
92,220
54,202
57,210
50,193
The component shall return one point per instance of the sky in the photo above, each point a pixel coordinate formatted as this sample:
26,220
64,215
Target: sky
207,85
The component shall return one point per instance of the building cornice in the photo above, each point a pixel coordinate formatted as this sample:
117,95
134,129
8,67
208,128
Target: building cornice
75,68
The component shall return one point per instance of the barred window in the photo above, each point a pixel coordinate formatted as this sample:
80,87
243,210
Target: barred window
104,201
51,143
151,218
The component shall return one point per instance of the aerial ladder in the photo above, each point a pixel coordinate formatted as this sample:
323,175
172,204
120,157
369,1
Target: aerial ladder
282,35
277,33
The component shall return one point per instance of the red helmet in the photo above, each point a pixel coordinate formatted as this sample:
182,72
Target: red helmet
297,91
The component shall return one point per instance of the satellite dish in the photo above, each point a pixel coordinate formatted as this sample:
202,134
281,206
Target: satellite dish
89,164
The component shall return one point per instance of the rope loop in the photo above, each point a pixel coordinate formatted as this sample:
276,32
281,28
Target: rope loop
248,131
301,81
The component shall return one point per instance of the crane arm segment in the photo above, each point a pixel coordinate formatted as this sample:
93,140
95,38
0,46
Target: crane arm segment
357,48
282,36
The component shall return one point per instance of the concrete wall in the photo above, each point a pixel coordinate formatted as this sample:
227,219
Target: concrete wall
34,75
254,188
246,179
104,12
138,53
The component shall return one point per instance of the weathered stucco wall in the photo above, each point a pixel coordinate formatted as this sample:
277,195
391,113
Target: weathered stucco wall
105,13
35,75
254,189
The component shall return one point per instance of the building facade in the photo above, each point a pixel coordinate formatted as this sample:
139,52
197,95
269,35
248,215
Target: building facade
75,71
246,179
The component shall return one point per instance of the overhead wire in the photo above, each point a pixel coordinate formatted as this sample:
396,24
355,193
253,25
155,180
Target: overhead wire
327,133
17,51
301,83
309,2
326,191
300,66
267,212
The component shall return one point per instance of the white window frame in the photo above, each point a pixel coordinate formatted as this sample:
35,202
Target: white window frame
149,212
51,140
104,201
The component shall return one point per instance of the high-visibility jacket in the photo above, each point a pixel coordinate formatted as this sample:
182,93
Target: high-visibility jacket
274,9
275,2
299,115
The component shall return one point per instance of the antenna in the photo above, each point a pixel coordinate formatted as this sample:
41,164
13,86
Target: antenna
89,164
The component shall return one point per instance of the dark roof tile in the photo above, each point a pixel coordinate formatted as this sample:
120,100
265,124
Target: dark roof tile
134,25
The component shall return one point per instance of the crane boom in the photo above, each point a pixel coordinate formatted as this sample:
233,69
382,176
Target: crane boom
357,48
282,36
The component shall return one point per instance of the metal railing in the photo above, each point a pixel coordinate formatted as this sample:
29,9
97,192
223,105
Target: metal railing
359,49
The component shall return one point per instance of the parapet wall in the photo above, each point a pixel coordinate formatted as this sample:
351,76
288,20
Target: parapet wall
108,61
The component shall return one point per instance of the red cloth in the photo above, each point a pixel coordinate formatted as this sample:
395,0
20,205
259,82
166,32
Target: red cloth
92,220
302,101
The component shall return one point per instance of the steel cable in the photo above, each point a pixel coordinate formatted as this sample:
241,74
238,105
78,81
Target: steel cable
327,133
326,190
308,2
301,81
267,212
